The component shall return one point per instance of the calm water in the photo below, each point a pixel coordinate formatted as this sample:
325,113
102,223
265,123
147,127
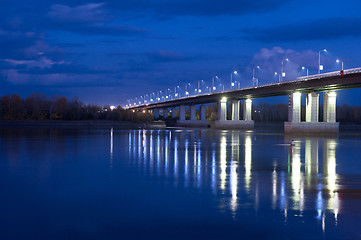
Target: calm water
65,183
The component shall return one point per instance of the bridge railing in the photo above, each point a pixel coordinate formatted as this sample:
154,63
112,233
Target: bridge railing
304,78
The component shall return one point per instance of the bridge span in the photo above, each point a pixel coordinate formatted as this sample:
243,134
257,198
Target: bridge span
311,86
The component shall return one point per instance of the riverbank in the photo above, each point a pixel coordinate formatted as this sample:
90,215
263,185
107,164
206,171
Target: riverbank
278,126
86,123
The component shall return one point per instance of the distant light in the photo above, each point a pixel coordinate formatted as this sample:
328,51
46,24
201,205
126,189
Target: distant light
303,68
112,108
151,99
337,61
166,97
187,93
199,90
257,66
287,59
324,50
235,72
283,74
143,111
224,99
332,94
176,94
233,84
276,73
214,88
321,67
296,94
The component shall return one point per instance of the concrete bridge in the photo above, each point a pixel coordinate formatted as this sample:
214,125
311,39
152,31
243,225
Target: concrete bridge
311,86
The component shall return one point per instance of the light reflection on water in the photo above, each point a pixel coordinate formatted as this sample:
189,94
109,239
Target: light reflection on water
222,161
209,182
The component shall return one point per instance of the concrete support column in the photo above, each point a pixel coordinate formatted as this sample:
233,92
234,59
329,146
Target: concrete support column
222,109
174,113
247,110
294,107
235,110
156,113
165,112
203,113
312,107
193,112
329,107
182,113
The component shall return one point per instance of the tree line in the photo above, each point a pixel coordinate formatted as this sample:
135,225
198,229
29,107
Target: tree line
38,107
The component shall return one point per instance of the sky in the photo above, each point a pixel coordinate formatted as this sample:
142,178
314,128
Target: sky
109,51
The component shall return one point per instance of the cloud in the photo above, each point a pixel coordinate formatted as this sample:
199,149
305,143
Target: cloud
320,29
167,56
200,7
269,60
42,63
87,13
89,18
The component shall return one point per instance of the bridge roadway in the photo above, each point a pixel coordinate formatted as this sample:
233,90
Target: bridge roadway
331,81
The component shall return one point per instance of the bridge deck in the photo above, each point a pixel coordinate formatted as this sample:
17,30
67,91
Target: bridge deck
351,78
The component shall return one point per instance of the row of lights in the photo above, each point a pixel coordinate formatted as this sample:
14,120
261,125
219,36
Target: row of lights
157,98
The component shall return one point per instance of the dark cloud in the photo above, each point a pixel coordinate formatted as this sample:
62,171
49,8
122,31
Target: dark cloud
199,7
167,56
314,30
59,68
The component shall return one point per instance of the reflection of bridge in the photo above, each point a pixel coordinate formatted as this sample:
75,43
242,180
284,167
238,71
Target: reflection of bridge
229,166
311,86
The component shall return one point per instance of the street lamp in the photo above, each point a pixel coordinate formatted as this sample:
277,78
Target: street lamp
175,92
213,87
187,93
282,73
232,83
319,60
303,68
341,63
199,90
255,79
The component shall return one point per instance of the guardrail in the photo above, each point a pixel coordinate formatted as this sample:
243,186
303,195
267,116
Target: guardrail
299,79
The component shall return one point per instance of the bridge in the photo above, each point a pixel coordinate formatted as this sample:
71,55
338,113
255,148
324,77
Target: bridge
311,86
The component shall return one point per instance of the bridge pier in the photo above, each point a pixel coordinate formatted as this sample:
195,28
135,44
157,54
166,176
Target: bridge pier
165,113
174,113
156,113
182,113
235,123
193,122
312,124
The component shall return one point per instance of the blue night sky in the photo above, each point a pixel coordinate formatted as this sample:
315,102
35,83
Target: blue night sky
108,51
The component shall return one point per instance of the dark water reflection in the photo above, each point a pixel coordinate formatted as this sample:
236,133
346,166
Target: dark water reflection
179,184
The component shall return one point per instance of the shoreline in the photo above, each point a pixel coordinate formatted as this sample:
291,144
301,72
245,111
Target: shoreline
155,124
80,123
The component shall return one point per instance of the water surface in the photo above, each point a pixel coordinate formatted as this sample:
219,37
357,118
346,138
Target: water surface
64,183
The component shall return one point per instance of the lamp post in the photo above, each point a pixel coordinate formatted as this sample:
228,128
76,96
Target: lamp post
199,90
232,84
254,79
341,63
319,60
187,93
213,87
282,73
303,68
